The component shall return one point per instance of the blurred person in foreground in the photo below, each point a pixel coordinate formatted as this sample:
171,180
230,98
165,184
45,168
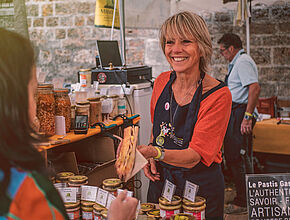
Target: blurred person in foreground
25,190
190,111
242,81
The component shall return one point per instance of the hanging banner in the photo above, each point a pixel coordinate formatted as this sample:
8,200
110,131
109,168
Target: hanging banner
268,196
104,13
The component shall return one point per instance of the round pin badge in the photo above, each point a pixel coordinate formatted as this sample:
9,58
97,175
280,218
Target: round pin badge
166,106
160,140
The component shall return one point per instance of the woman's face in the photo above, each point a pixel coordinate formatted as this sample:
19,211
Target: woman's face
32,86
182,54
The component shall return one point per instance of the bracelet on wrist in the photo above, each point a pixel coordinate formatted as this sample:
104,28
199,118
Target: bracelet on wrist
249,114
159,153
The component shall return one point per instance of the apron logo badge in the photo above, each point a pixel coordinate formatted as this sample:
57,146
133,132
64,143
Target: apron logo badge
166,106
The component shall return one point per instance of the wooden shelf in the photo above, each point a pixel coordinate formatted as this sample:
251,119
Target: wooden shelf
59,140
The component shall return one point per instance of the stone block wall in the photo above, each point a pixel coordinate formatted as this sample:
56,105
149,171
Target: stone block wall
65,37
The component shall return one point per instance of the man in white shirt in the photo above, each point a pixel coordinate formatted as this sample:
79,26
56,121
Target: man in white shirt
242,80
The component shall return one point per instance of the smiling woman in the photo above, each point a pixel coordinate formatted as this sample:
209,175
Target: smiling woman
189,111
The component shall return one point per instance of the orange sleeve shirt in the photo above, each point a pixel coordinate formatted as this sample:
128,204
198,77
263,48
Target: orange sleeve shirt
212,121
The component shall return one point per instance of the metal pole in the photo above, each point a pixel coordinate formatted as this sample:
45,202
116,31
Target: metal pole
122,31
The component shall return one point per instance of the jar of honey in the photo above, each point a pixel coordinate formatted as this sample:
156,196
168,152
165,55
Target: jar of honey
87,210
95,110
112,185
45,108
167,209
73,210
63,106
77,181
97,209
196,209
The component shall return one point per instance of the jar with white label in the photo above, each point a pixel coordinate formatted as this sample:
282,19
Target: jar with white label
73,210
122,105
197,208
87,210
97,209
167,208
85,78
77,181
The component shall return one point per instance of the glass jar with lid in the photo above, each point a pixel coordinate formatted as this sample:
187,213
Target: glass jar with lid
95,110
85,78
115,99
63,106
45,103
83,108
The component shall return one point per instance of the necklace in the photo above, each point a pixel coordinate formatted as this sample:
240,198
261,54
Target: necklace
170,110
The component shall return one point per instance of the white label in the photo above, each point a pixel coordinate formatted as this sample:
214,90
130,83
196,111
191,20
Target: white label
71,215
190,191
102,196
68,194
168,190
89,193
87,215
129,193
60,185
111,197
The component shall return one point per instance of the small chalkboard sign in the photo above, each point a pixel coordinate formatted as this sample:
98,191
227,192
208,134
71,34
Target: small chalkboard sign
268,196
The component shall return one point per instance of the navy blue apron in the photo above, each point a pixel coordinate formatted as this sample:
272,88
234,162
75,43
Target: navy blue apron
173,129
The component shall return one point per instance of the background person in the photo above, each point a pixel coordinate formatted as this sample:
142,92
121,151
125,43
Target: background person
242,80
190,111
25,191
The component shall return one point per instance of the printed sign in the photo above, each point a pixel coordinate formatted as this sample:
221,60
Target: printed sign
129,193
89,193
268,196
68,194
190,191
168,190
102,196
111,197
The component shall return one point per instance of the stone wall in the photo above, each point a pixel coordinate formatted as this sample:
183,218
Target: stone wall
64,35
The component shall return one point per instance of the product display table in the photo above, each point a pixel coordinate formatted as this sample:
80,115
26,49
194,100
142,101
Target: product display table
270,136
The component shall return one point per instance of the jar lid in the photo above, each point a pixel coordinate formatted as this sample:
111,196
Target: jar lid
194,208
45,86
113,96
104,213
175,200
64,175
95,99
70,205
198,201
85,70
169,207
183,216
112,182
87,203
83,103
78,179
60,90
98,207
145,207
154,213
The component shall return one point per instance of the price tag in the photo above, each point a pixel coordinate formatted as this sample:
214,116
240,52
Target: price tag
68,194
102,196
129,193
89,193
168,190
190,191
111,197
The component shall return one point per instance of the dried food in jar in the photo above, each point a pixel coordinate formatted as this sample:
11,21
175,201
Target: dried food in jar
46,108
95,110
63,106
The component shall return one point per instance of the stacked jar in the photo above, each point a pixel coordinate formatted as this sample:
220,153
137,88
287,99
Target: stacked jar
87,210
167,208
197,208
97,209
73,210
62,177
112,185
146,207
46,108
63,106
78,181
115,100
95,110
83,108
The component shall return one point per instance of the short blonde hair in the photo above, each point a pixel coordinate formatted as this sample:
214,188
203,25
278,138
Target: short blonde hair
184,24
